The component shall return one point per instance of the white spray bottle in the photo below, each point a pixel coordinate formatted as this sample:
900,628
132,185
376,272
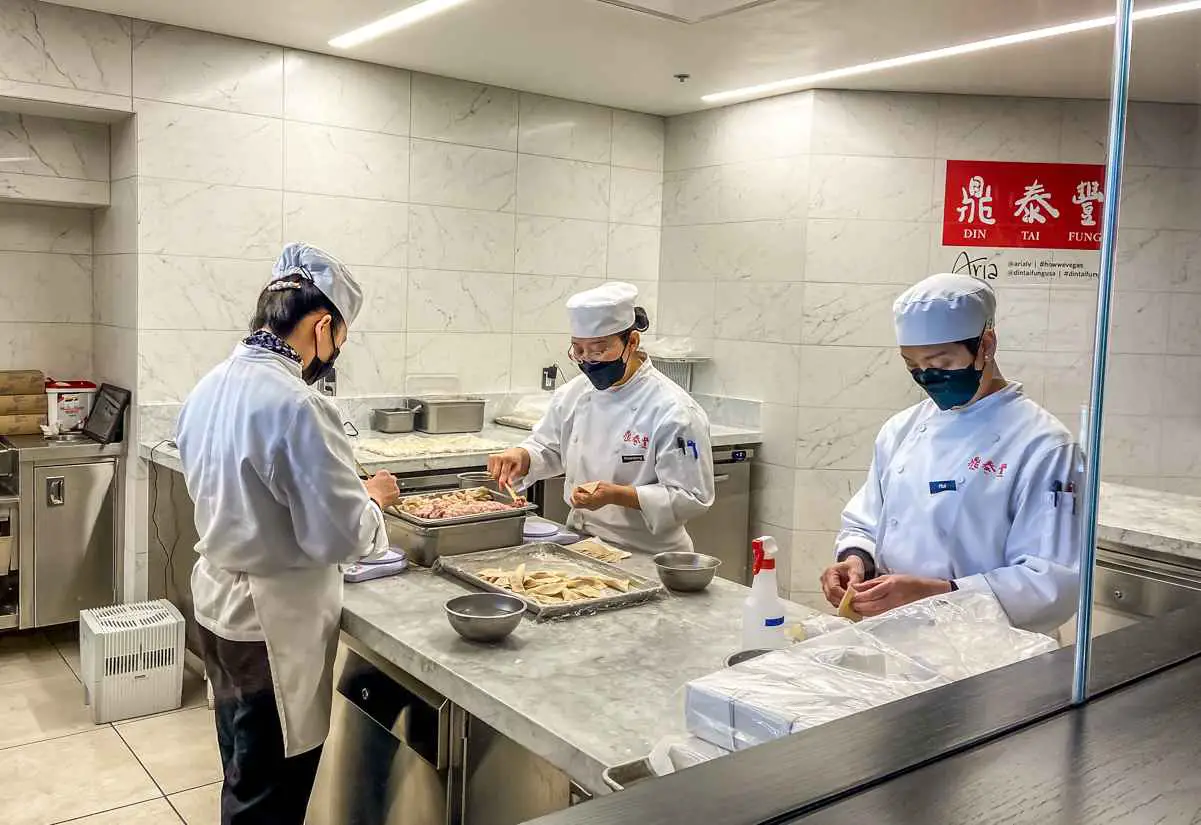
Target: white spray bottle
763,611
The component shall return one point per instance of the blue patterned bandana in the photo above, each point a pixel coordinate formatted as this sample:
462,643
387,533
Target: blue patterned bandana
273,343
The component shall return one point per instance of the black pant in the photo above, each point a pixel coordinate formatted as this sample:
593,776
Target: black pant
262,786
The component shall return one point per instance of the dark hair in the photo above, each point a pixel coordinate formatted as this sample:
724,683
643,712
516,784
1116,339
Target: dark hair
281,308
972,344
642,323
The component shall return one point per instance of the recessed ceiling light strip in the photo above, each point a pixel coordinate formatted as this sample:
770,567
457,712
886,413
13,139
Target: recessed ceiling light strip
405,17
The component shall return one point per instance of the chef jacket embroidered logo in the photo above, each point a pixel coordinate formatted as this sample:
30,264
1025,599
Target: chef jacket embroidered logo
987,466
637,439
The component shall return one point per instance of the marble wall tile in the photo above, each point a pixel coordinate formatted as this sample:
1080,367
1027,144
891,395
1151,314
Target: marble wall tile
482,361
366,232
759,190
123,148
750,369
373,363
638,140
776,127
338,92
115,290
812,553
180,218
170,362
757,251
1182,394
837,438
385,298
848,314
1084,131
540,303
188,143
199,293
1135,385
65,47
1131,445
326,160
870,378
466,239
1180,450
445,174
441,301
692,196
636,196
759,312
61,350
31,228
115,355
1151,198
45,287
1157,134
689,310
1183,321
1067,376
633,252
532,352
850,251
44,190
1072,320
822,495
202,69
998,128
465,113
874,123
558,246
565,129
116,228
1148,259
773,498
562,188
778,423
1186,269
1140,322
53,147
890,189
1022,317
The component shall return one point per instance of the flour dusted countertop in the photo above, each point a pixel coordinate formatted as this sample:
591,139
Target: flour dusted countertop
1140,519
414,452
586,693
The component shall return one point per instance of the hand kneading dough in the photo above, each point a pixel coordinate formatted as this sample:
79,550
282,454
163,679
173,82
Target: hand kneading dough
844,607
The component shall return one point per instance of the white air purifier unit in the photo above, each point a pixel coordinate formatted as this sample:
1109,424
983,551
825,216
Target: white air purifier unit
131,659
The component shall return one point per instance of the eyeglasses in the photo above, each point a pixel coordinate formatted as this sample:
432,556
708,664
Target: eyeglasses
594,353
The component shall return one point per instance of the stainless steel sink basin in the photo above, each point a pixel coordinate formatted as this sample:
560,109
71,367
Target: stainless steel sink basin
67,438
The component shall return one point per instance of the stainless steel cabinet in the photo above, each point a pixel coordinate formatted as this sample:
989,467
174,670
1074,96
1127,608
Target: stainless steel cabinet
74,537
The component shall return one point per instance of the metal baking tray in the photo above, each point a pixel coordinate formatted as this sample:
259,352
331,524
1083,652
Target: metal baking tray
554,557
446,522
425,545
448,413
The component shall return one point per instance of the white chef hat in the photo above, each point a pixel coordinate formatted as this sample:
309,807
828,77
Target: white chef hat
942,309
606,310
327,273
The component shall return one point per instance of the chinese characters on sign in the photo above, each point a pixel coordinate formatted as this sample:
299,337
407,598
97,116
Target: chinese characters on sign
1024,205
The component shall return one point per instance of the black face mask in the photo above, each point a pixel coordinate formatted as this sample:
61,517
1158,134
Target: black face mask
949,388
604,374
318,368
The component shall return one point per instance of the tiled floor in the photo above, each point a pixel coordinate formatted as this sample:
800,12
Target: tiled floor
57,766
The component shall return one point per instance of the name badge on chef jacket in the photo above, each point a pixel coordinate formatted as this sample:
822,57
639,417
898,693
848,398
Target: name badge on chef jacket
630,459
942,487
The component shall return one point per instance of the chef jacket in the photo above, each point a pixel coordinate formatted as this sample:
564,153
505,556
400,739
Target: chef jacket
647,433
968,495
272,476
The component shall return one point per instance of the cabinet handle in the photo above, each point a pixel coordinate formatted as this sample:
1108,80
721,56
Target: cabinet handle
56,491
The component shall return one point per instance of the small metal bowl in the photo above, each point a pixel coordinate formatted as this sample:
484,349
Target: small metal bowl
744,656
484,617
686,572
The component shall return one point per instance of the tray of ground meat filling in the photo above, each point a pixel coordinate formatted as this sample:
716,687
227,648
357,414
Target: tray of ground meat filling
459,507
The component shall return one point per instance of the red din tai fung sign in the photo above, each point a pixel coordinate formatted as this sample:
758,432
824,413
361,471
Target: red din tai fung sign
1026,205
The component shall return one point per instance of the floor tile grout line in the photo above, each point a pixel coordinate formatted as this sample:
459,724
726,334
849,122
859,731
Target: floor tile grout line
118,808
141,764
54,738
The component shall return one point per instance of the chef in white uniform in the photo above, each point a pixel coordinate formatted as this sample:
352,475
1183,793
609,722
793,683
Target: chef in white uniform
278,504
969,490
633,445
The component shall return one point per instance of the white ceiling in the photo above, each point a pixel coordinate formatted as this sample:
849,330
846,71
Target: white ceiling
605,53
